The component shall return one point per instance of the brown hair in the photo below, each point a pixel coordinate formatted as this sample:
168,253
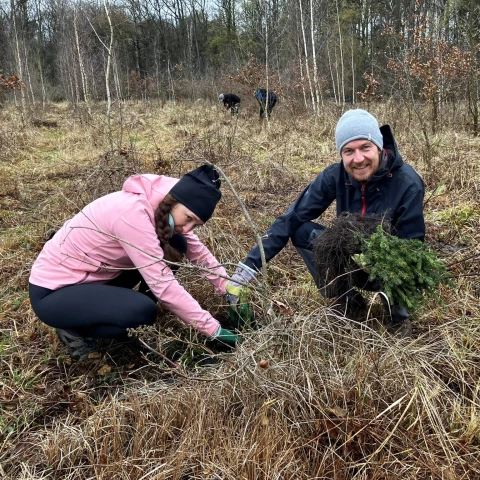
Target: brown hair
162,227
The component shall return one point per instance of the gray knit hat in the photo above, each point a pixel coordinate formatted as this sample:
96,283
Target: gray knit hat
357,124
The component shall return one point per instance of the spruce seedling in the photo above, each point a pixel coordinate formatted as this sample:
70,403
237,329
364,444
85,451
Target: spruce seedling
408,271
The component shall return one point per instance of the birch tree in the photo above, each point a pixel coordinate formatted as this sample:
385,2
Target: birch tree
307,66
83,75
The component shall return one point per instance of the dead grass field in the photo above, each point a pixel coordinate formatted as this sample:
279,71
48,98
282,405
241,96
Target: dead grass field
338,400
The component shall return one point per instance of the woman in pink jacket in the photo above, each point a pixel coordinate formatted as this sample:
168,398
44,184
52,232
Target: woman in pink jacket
81,283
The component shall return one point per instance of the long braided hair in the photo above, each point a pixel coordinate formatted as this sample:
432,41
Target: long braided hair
162,227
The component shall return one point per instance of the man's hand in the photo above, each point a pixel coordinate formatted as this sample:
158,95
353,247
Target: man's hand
234,287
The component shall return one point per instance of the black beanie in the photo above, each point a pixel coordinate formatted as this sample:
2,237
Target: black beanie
199,191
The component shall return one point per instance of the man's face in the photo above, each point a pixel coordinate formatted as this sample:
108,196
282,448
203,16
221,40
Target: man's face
361,159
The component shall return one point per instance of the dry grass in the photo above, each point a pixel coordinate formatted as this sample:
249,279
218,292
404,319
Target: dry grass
337,400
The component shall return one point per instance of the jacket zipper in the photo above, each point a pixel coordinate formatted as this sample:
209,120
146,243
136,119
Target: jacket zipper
364,200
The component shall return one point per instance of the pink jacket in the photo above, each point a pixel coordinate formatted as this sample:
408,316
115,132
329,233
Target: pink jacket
116,232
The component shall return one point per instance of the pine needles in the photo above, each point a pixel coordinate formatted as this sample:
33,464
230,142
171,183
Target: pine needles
361,252
407,270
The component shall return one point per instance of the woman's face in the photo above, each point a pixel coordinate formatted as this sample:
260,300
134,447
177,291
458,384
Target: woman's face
185,220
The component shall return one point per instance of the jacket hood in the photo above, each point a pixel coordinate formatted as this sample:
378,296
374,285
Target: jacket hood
154,187
393,162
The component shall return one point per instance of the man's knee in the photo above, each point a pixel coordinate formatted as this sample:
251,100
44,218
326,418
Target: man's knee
305,235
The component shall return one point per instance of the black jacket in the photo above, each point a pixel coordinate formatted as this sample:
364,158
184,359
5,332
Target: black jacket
395,191
261,95
230,99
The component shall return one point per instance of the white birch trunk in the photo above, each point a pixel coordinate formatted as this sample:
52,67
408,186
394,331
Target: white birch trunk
18,61
334,86
27,69
340,41
81,65
307,66
302,76
318,90
266,71
353,75
107,77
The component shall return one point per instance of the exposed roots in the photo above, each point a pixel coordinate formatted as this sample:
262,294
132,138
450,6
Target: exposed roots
333,250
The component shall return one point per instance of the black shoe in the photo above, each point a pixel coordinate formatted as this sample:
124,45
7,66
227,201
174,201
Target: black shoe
78,347
397,318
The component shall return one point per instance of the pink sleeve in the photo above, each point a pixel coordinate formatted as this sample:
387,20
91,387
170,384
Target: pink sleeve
200,255
139,240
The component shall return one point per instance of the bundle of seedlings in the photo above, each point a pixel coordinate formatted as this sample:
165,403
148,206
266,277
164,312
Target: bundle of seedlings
335,249
407,270
361,252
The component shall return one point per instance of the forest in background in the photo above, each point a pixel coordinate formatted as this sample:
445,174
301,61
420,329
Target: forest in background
308,51
91,92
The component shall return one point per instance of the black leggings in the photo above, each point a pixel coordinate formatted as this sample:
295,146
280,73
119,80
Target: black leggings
99,310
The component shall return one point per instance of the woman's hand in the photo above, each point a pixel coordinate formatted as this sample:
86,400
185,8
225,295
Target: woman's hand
226,336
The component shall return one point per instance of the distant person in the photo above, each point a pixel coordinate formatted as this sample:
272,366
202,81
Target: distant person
82,282
230,102
266,107
371,178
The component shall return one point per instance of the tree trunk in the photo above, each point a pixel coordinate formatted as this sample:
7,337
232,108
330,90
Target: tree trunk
318,90
18,60
107,78
83,75
307,66
340,42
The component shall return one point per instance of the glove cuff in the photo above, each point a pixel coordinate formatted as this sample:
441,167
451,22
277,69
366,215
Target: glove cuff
217,333
232,289
243,274
245,268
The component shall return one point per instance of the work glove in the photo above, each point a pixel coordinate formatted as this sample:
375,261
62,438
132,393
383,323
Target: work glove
226,336
235,286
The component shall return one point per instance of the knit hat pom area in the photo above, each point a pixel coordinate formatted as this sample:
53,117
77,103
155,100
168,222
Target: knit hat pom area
199,191
355,125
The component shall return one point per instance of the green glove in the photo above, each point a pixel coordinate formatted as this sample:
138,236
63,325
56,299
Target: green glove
226,336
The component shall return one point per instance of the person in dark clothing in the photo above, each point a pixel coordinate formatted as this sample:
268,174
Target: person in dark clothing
230,102
370,179
266,107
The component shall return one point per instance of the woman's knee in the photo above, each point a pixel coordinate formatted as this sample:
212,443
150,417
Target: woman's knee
150,312
141,312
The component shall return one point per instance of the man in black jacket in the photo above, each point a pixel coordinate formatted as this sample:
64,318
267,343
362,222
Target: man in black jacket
230,102
371,178
266,102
